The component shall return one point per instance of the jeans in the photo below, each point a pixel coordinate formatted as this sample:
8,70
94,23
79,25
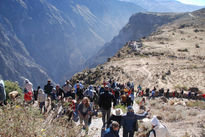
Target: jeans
105,113
128,133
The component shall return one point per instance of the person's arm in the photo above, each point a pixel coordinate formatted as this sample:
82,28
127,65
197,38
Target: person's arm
141,116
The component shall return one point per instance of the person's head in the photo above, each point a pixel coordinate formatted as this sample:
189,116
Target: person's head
106,88
130,109
115,125
67,81
26,81
57,86
118,112
155,122
38,87
40,91
86,101
143,99
78,85
49,81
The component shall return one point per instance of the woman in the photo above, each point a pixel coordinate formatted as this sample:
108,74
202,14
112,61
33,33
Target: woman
84,111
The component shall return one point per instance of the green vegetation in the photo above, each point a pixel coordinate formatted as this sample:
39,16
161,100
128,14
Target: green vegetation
122,107
12,86
183,50
180,87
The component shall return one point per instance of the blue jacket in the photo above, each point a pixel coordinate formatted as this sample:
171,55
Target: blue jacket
111,133
129,120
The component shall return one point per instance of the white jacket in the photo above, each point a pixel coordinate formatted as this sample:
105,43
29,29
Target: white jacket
161,131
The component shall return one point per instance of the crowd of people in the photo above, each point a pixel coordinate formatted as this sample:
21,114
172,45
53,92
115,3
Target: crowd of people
82,102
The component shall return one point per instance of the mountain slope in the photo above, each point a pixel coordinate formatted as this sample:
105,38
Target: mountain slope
139,25
164,5
171,57
60,36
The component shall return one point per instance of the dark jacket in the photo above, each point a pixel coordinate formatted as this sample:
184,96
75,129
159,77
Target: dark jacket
79,93
80,109
48,88
60,92
130,119
111,133
106,99
114,118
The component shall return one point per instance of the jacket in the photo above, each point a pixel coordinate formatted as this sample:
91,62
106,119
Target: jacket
48,88
106,99
80,109
130,119
115,118
160,130
111,133
2,91
41,96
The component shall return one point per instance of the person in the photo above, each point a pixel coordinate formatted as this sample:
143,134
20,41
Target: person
71,107
2,93
60,92
113,130
158,130
139,88
116,116
167,93
67,88
130,121
105,102
117,94
36,93
182,93
123,99
48,87
28,86
129,101
41,100
153,94
79,92
147,92
142,104
84,111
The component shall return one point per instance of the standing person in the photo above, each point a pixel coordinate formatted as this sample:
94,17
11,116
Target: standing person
79,92
28,97
41,100
147,92
67,88
71,107
158,130
153,94
130,121
113,130
84,111
182,93
2,93
60,92
142,104
28,86
36,93
48,87
167,94
117,116
105,103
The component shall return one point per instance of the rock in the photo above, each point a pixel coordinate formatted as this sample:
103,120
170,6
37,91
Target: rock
164,99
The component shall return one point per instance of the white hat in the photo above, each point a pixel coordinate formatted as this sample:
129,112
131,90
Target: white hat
155,121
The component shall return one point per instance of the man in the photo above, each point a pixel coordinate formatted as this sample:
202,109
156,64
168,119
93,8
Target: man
79,92
59,91
67,88
130,122
113,130
48,87
158,130
41,100
105,103
2,93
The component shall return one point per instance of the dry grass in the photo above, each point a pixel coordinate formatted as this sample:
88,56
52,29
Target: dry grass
19,121
197,104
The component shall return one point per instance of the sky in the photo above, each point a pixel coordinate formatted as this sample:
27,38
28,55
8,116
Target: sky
194,2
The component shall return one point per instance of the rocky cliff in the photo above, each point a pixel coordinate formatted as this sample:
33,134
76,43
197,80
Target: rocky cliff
56,37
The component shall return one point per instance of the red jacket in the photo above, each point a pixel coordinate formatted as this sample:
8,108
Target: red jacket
28,96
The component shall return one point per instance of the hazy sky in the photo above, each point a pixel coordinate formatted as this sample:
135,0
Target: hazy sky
195,2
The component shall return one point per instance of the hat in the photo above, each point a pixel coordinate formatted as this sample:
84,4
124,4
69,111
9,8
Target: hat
118,112
155,121
130,108
49,80
106,86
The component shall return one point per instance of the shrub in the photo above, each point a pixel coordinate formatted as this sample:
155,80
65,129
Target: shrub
183,50
198,104
12,86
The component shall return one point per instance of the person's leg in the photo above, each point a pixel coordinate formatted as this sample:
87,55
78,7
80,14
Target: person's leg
131,134
108,116
103,116
125,133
